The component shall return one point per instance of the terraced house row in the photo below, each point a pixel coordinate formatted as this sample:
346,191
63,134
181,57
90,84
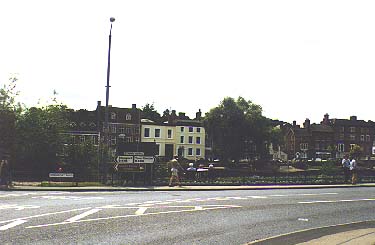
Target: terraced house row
331,138
128,131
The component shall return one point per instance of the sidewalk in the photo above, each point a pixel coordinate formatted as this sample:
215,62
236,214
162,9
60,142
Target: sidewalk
33,186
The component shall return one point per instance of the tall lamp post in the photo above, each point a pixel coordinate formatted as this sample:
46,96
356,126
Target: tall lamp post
106,127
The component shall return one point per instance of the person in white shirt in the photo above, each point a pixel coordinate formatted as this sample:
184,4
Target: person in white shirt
346,167
353,170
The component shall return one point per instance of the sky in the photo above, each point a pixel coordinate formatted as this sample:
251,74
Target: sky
297,59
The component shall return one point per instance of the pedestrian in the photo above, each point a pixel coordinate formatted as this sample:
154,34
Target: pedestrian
353,170
191,171
346,168
175,166
2,162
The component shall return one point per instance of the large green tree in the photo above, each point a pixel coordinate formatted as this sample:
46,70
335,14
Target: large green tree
40,138
237,129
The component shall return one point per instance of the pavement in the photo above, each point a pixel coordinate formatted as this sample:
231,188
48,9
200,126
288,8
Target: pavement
348,234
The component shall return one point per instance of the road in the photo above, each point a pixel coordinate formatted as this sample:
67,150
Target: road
173,217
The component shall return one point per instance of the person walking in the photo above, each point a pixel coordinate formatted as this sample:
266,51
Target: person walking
174,173
346,167
353,170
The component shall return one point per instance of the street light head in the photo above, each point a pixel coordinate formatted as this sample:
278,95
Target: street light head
112,19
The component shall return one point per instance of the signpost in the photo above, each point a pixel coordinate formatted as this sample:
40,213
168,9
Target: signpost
134,162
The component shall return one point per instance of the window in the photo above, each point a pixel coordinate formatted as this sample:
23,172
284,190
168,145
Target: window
340,147
113,115
198,130
362,137
129,139
191,129
169,134
190,139
198,152
352,137
128,117
157,132
82,139
190,151
342,129
304,146
367,138
128,130
113,128
147,133
182,139
121,130
182,129
352,146
136,130
113,140
198,140
352,129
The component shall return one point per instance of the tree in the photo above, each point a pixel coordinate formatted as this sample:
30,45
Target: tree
149,112
40,138
356,151
82,158
237,129
9,111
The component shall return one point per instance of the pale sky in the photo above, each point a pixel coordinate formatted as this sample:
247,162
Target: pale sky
297,59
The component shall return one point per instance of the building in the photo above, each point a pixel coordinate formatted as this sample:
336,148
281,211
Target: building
332,138
124,125
178,136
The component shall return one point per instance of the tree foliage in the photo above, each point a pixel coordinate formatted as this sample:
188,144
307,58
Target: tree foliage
149,112
237,129
40,137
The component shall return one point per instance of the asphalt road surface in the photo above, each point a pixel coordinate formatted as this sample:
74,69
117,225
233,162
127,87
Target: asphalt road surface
173,217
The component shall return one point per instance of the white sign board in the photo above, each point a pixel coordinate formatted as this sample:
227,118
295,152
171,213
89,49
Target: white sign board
61,175
134,153
124,159
143,159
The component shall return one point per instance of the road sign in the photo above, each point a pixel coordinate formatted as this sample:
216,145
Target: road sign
124,159
130,167
143,159
134,153
61,175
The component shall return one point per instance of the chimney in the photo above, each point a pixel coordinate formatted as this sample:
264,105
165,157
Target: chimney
99,103
353,118
306,124
134,106
172,117
294,123
326,119
198,115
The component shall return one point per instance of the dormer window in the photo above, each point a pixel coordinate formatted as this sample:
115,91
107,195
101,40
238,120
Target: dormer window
128,117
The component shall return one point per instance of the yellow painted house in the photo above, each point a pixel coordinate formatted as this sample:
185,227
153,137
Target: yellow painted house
185,138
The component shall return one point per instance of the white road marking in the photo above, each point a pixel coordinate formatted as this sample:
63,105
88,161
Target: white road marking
141,211
12,224
67,197
303,219
41,215
17,207
336,201
206,207
258,197
82,215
